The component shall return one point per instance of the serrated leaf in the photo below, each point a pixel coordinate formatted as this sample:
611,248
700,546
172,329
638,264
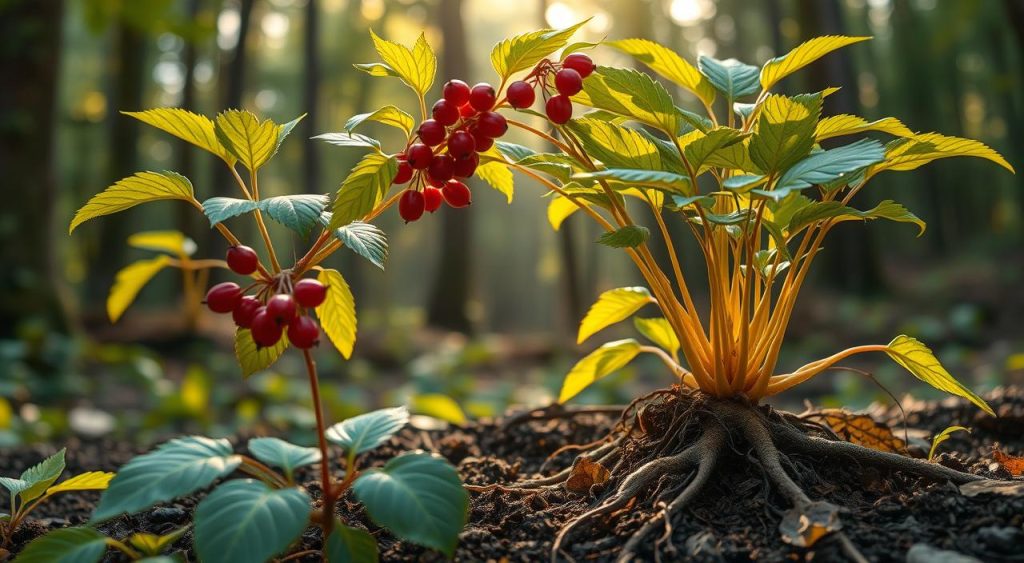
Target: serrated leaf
418,497
659,331
616,146
337,313
220,209
785,131
612,306
129,281
365,239
349,140
351,545
365,432
919,360
668,64
836,211
735,157
299,213
171,242
512,151
89,481
731,77
521,52
41,475
845,124
388,115
804,54
252,358
176,468
913,152
187,126
67,545
632,94
830,165
438,405
14,486
630,236
415,67
142,187
600,363
252,141
498,176
278,453
245,520
704,145
558,166
363,189
668,181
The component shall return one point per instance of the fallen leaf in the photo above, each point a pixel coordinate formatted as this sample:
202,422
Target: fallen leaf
1012,463
585,474
861,429
1008,488
803,528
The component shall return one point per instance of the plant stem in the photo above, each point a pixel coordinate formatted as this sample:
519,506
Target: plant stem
321,432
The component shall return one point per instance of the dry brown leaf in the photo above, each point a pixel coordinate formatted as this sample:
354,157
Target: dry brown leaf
861,429
1012,463
585,474
803,528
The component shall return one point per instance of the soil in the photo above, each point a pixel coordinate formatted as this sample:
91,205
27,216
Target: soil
888,516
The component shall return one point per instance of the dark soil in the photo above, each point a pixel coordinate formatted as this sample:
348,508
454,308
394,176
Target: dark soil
735,519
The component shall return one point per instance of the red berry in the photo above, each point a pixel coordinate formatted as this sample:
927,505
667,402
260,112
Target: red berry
434,181
559,109
411,205
492,124
309,293
467,111
456,92
464,167
456,194
265,330
520,94
419,156
568,82
404,173
461,144
482,97
242,260
431,132
580,63
224,297
304,333
442,168
445,112
483,142
431,199
282,308
245,311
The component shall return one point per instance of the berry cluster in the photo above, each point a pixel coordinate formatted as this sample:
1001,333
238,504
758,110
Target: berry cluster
277,307
563,80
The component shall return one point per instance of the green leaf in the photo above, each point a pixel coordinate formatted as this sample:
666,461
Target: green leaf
630,236
299,213
438,405
616,146
337,313
827,166
600,363
14,486
252,358
679,203
632,94
41,475
365,239
220,209
67,545
913,152
743,182
659,331
804,54
942,437
785,131
612,306
365,432
667,181
735,157
521,52
252,141
152,544
844,124
175,469
498,176
701,148
668,64
512,151
349,140
187,126
416,67
278,453
559,166
363,189
245,520
418,497
351,545
821,210
922,363
388,115
128,192
730,77
129,282
171,242
378,70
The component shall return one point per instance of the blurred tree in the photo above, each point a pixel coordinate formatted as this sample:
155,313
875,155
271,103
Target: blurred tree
189,222
232,87
311,87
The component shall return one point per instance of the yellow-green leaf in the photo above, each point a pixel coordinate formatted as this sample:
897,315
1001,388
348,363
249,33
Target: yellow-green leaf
154,545
187,126
600,363
171,242
439,406
616,146
611,307
252,358
139,188
845,124
804,54
942,437
521,52
416,67
388,115
633,94
913,152
91,481
922,363
667,63
363,189
699,149
129,281
659,331
253,141
785,131
559,209
498,176
337,313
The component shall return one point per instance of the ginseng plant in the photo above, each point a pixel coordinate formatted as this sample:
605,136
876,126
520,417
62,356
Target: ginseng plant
748,179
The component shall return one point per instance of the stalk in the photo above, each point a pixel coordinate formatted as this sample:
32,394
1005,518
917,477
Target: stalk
329,491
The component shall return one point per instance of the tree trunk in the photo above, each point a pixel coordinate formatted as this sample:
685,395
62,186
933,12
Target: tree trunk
310,156
233,87
189,222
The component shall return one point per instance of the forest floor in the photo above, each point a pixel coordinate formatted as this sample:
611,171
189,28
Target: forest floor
887,516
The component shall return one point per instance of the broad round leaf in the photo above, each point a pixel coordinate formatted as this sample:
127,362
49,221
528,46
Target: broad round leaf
419,497
245,521
278,453
176,468
351,545
67,545
367,431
